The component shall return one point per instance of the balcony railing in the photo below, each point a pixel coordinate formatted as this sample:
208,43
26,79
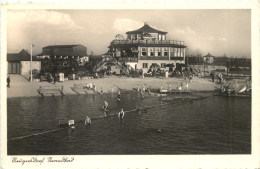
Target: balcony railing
173,42
177,58
154,58
127,59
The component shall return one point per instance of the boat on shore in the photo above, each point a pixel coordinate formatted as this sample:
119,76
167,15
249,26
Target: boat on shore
172,91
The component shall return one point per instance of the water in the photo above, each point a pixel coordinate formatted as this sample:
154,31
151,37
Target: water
214,125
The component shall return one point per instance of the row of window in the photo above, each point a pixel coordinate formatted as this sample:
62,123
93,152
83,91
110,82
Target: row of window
145,65
162,51
152,36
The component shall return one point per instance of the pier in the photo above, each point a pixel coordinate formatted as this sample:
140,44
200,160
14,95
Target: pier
50,90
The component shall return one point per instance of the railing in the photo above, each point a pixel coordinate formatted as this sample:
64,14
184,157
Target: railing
154,58
128,59
173,42
177,58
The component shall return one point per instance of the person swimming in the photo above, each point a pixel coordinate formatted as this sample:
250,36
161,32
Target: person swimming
118,97
87,121
121,114
142,94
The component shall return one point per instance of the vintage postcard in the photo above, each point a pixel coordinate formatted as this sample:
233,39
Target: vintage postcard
130,85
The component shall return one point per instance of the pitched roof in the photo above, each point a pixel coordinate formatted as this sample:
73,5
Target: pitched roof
23,55
146,29
61,46
209,55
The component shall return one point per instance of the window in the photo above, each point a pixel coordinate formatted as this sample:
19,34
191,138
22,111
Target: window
133,36
172,51
145,65
160,37
158,52
163,37
151,52
165,51
182,52
138,36
178,52
144,53
175,51
162,65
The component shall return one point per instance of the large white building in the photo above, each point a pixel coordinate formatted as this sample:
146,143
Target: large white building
146,46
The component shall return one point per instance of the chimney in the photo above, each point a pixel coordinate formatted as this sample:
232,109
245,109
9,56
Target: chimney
145,23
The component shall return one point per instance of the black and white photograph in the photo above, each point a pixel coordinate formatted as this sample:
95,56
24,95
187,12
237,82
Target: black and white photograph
127,82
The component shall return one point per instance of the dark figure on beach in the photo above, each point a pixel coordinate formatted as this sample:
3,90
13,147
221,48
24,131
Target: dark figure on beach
8,81
87,121
212,76
54,79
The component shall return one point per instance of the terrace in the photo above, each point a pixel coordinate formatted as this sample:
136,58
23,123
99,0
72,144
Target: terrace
148,42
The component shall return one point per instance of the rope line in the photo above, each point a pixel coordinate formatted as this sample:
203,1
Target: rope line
17,138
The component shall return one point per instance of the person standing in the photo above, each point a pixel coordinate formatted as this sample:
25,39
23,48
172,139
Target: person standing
137,88
161,88
149,89
94,87
212,76
101,90
142,73
144,87
166,74
142,94
105,105
8,81
121,114
169,87
54,78
87,121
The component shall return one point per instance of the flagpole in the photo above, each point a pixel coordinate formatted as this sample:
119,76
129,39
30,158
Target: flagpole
31,63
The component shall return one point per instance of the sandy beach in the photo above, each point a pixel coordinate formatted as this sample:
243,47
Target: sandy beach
21,87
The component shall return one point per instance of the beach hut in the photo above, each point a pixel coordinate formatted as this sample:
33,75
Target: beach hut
208,59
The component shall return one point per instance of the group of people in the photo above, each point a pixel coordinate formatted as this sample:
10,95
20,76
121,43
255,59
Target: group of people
121,114
92,86
143,90
219,76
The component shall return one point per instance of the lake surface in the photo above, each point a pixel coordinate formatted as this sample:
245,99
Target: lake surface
213,125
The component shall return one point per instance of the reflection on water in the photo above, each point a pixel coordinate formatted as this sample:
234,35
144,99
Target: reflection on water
215,125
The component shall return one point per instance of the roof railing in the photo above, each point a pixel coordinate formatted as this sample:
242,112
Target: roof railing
174,42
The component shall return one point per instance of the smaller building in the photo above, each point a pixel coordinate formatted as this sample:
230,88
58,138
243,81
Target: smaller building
19,63
208,59
64,50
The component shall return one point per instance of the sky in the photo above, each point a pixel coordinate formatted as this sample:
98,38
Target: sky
213,31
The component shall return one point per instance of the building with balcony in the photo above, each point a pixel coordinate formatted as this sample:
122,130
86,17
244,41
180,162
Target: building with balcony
146,46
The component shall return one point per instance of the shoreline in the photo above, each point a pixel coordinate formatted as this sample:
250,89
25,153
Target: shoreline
20,87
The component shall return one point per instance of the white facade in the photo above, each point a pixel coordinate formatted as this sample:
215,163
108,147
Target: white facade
26,68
